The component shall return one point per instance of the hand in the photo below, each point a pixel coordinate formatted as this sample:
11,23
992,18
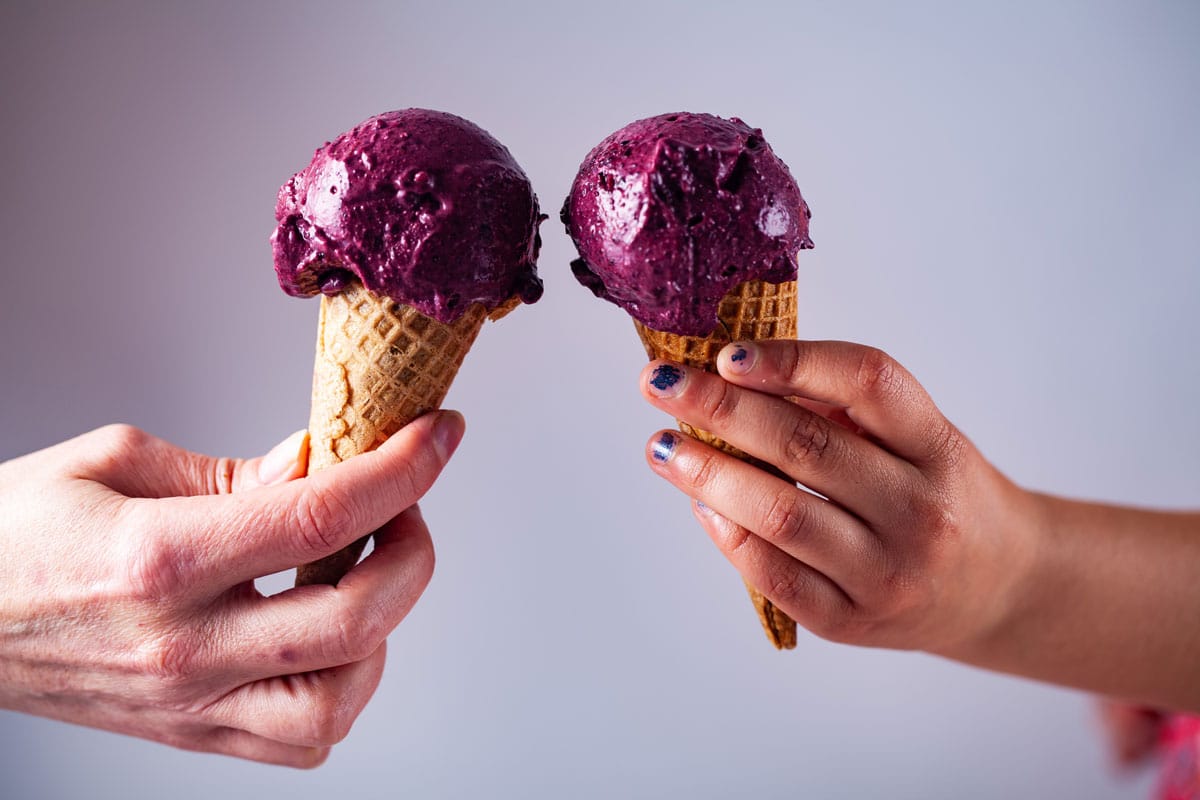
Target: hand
909,538
1133,732
127,598
913,540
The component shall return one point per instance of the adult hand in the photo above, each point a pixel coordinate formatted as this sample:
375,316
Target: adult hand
127,597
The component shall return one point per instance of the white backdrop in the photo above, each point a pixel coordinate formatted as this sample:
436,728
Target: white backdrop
1005,197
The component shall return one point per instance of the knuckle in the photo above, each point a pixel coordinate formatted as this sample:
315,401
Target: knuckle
119,436
736,539
836,618
719,402
902,600
938,522
933,530
351,636
170,660
809,439
703,473
901,589
156,569
948,447
114,444
323,519
878,375
790,364
410,482
330,719
785,586
782,590
422,561
785,519
222,475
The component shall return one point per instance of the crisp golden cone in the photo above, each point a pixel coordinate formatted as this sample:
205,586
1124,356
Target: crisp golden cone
379,365
750,311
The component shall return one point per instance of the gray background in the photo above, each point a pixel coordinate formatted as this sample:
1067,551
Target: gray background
1005,197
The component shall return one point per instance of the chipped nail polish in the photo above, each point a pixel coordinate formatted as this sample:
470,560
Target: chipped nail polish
665,379
664,447
742,358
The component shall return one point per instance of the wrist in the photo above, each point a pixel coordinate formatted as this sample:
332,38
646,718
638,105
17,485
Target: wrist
1017,545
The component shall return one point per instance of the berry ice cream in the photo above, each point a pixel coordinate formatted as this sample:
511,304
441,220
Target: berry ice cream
672,212
420,206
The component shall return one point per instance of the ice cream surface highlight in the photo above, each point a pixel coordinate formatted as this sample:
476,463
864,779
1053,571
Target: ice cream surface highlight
671,212
415,227
420,206
691,224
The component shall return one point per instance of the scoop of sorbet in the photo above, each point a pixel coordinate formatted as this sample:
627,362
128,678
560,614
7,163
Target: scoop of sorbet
421,206
671,212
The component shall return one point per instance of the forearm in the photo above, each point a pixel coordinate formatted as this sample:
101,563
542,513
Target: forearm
1110,604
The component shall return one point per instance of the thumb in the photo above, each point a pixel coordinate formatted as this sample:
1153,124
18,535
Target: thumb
284,462
136,464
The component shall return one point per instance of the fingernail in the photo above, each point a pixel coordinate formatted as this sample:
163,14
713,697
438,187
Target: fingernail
283,462
666,380
705,510
664,447
740,357
447,433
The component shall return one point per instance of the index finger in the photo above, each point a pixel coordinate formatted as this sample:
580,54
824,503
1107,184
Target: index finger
874,390
217,542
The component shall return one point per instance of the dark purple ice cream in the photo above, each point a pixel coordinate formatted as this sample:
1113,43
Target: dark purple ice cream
421,206
671,212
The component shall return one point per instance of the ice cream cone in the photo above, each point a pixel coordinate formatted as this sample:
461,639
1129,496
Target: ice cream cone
752,310
379,365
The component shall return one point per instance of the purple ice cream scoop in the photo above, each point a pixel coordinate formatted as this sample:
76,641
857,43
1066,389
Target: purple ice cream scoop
421,206
671,212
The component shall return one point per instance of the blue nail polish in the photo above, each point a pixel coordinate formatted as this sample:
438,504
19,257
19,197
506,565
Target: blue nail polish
703,508
665,376
742,358
664,447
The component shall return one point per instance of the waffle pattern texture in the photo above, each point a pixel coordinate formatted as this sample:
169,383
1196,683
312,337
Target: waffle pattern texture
379,365
750,311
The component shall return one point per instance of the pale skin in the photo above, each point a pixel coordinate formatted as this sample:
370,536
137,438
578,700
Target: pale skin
127,596
911,539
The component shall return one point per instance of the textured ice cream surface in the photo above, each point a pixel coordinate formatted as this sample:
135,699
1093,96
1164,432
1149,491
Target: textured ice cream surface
421,206
671,212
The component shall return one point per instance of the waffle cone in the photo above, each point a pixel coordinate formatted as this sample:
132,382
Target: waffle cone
379,365
750,311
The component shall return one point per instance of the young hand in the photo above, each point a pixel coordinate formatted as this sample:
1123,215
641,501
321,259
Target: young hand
909,538
912,540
